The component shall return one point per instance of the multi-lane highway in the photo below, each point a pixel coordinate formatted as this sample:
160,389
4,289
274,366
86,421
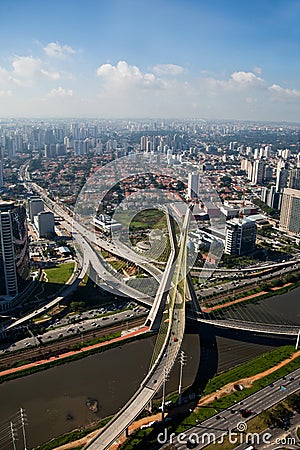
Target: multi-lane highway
221,423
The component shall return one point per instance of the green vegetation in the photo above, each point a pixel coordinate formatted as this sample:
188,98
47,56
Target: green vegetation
257,365
231,262
104,253
60,274
90,294
118,265
270,211
149,218
95,341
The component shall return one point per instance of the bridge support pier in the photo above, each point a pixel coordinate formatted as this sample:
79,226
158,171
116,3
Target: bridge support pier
127,432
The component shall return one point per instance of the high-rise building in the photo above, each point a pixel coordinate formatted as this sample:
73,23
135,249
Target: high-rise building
99,147
35,205
44,223
193,185
1,168
290,211
268,173
274,198
14,253
294,179
240,236
79,147
282,179
257,176
271,197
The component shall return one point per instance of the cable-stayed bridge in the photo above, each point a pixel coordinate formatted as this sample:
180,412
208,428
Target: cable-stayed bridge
172,295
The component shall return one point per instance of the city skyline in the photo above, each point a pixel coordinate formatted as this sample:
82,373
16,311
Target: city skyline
222,60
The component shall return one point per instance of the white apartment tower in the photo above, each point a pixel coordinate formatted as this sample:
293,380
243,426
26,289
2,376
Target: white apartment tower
290,211
258,169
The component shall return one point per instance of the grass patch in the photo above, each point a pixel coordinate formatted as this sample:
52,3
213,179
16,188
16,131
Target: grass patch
95,341
257,365
149,218
60,274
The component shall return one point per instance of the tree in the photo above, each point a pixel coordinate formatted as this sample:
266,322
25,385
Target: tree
77,306
294,402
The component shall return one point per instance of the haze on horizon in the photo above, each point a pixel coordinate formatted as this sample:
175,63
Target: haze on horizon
174,58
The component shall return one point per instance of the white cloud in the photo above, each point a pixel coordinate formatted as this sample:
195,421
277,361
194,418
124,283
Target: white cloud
7,93
52,75
245,79
26,66
56,50
60,92
238,80
168,69
124,76
6,78
281,93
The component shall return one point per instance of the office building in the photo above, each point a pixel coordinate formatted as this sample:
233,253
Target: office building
35,205
14,252
44,223
240,237
290,211
193,185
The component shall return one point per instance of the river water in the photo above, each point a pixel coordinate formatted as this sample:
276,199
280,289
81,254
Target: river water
55,400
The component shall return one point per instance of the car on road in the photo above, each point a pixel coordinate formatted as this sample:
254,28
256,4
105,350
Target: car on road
191,443
245,412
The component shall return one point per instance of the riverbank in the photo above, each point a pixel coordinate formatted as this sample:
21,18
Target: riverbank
257,296
43,364
218,392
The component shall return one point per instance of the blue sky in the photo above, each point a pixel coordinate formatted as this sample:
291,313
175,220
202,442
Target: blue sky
167,58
